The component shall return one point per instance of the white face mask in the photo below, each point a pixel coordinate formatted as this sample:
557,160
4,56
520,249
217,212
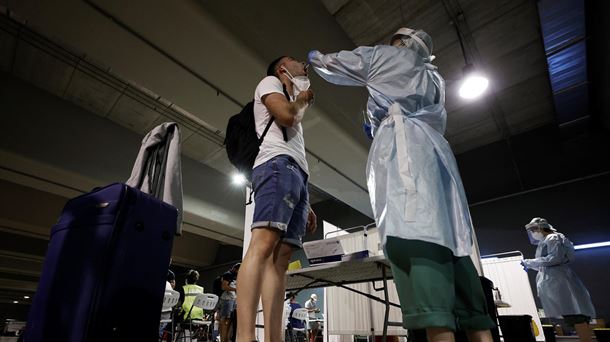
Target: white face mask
538,236
301,83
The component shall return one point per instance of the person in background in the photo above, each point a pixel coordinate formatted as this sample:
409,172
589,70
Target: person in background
166,314
171,279
189,291
415,187
294,323
170,285
312,307
560,290
227,301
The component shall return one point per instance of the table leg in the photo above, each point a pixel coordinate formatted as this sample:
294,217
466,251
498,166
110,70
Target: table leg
387,304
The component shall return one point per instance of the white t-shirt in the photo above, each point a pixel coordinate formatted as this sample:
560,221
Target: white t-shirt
310,304
274,144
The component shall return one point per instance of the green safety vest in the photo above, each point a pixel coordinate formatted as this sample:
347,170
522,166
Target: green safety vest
190,292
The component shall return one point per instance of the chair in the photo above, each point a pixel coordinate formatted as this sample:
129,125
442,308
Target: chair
170,299
286,318
207,302
302,315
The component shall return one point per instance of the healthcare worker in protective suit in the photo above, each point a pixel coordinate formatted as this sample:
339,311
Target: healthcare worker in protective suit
414,184
560,290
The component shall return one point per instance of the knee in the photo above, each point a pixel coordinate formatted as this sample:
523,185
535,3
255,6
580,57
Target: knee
259,252
283,256
261,248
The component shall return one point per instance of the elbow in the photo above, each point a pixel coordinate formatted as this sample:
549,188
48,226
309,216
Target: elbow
550,262
290,122
287,120
554,262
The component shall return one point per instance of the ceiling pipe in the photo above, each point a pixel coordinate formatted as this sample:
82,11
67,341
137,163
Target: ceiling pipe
457,18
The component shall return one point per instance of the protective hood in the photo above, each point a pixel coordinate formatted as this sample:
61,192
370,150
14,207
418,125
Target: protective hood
423,42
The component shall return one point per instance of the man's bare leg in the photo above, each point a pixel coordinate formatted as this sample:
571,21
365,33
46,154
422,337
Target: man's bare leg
274,291
440,335
225,324
479,336
249,278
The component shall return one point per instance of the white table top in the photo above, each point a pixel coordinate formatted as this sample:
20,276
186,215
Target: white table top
341,272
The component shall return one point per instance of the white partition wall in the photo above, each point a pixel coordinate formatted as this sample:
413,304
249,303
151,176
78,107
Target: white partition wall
348,313
512,281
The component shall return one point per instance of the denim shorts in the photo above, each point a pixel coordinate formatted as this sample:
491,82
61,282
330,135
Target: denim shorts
281,198
226,307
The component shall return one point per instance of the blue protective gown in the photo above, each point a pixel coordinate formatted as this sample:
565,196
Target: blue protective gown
414,184
560,290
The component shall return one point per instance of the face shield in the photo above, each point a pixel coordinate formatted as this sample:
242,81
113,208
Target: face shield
534,229
534,234
414,39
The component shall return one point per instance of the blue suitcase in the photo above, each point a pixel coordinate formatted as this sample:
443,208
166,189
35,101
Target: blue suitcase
104,274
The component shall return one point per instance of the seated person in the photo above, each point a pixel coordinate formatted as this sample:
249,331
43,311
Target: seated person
293,322
170,284
191,290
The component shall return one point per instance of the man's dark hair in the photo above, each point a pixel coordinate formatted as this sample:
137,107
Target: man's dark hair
192,276
273,65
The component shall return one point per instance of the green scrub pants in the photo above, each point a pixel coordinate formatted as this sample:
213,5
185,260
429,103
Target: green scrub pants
435,288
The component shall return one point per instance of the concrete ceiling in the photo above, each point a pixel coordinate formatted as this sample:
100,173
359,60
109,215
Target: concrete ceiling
505,37
137,64
506,44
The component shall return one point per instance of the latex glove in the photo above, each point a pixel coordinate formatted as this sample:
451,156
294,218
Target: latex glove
311,54
525,268
367,130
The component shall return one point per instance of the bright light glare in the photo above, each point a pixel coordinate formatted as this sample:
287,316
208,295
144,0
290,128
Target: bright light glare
473,86
239,179
26,297
15,302
592,245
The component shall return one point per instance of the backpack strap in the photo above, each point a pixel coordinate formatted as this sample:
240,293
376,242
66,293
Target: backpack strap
287,98
260,140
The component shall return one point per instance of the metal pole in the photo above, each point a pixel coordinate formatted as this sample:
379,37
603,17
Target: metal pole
387,304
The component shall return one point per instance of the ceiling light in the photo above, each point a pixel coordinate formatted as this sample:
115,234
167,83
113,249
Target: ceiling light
593,245
474,84
239,179
26,297
15,302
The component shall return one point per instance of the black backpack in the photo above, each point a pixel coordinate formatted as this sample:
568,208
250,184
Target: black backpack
242,142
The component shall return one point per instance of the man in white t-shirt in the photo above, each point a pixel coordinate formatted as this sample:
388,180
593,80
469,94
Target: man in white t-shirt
312,307
279,179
